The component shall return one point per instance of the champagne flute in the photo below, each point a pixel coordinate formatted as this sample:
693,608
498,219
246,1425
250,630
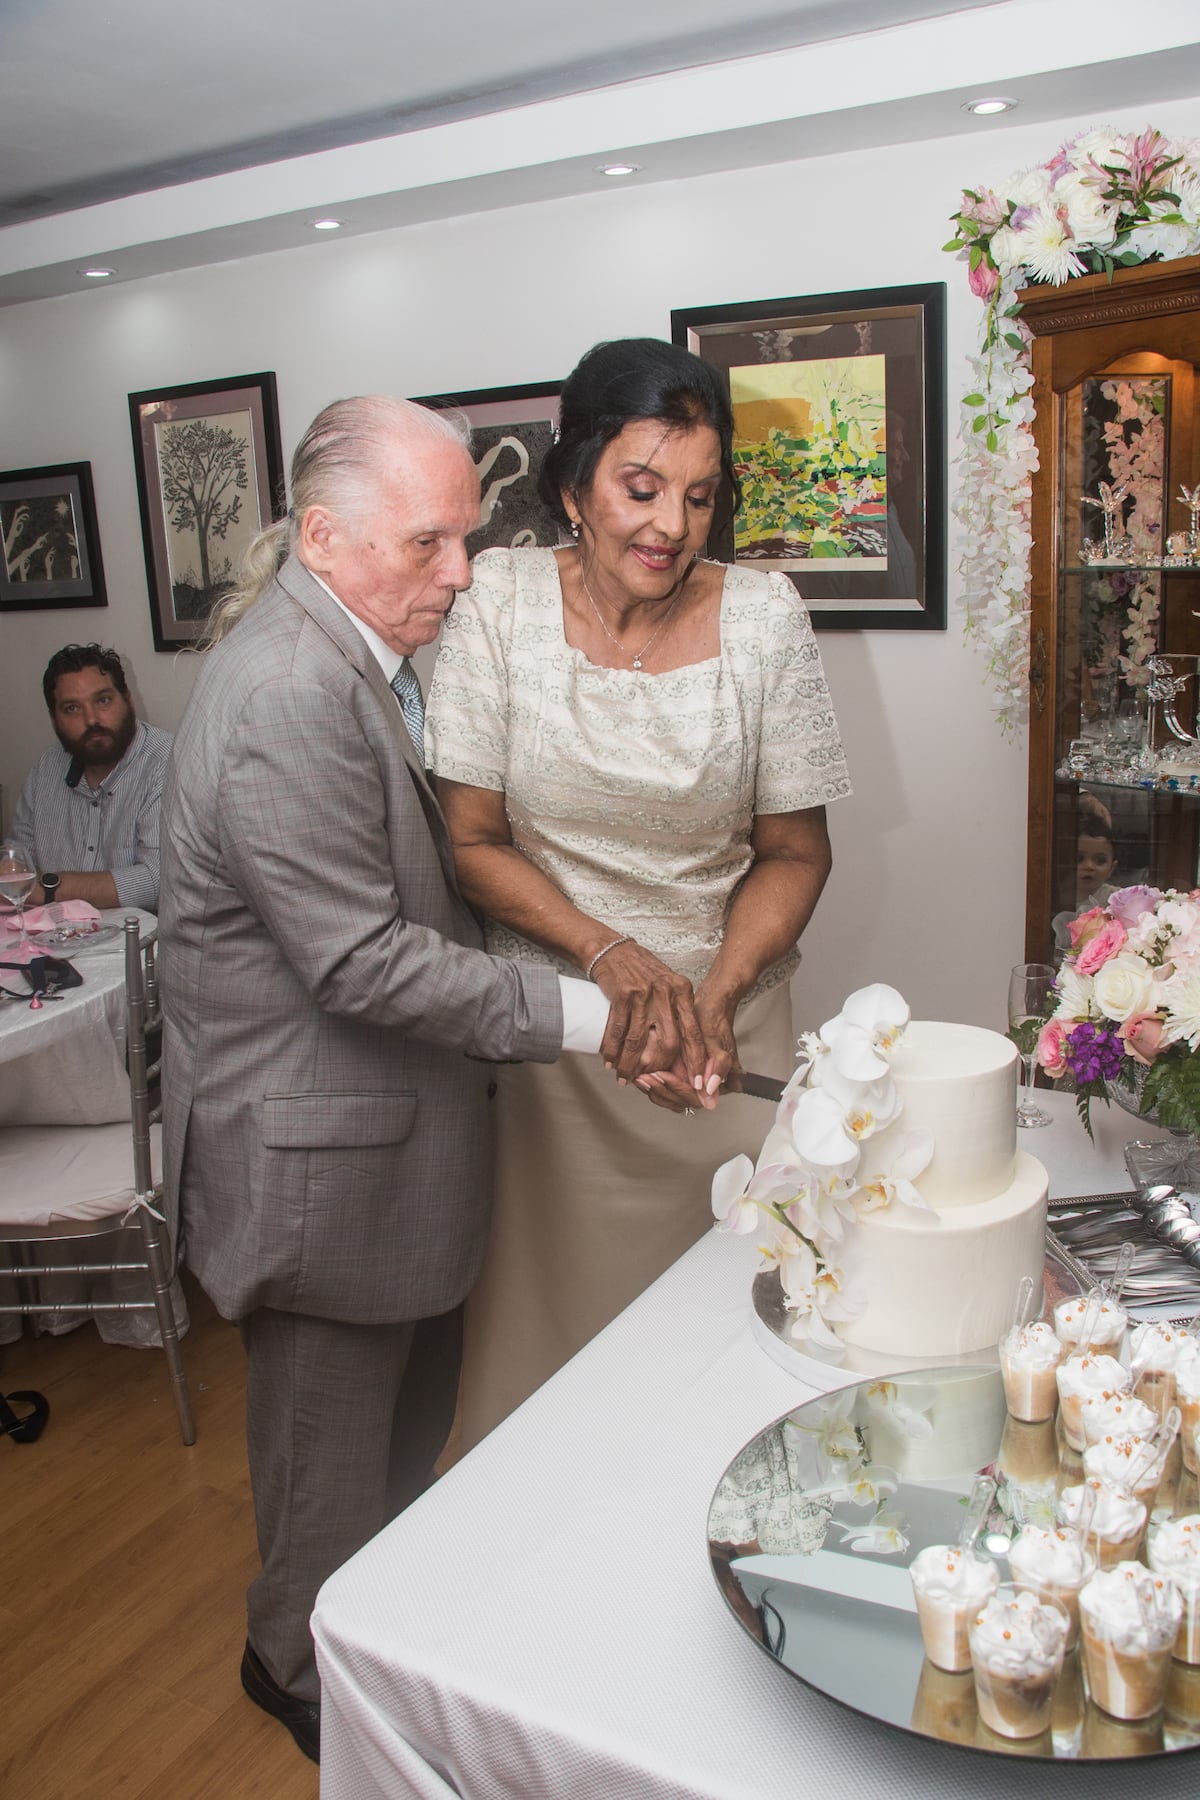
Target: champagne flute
1029,987
18,878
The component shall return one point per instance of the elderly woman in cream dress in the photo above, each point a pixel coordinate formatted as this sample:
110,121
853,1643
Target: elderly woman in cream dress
634,749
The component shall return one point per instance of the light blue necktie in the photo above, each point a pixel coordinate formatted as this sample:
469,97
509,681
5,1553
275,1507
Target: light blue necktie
407,690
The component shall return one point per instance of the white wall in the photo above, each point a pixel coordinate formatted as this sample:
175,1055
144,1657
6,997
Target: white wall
928,886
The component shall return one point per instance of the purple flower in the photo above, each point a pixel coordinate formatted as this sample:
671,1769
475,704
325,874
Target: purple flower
1094,1053
1129,903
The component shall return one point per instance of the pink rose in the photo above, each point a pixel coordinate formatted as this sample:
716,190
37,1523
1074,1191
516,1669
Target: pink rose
1052,1048
1085,927
1143,1034
983,280
1107,942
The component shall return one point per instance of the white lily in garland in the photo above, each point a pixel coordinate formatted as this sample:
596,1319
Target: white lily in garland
827,1159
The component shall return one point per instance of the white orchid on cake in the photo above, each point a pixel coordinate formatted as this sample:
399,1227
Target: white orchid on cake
819,1168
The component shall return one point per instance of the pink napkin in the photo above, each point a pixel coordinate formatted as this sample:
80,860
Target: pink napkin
60,912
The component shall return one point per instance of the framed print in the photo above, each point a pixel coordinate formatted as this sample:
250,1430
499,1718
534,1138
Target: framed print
51,544
210,476
511,430
839,444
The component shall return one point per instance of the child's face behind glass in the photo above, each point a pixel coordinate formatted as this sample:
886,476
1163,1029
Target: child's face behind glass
1094,863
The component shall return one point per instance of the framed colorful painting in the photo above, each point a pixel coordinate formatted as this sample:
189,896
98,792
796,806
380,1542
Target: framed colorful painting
511,430
839,446
210,475
51,545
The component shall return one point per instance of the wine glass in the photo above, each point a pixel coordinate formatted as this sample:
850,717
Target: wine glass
18,878
1029,987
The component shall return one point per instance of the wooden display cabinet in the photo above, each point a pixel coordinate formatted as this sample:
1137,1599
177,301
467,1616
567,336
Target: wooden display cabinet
1115,388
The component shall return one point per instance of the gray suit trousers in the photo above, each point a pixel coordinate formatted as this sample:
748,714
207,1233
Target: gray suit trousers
343,1425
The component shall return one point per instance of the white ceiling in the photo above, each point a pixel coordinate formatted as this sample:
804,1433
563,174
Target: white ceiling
152,135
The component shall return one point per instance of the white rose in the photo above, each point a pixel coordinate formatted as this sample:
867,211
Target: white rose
1123,986
1030,188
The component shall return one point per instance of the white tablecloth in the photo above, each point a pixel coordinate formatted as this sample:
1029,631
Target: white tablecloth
65,1063
543,1624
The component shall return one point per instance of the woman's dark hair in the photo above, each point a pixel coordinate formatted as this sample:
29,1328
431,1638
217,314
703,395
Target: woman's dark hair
72,659
613,386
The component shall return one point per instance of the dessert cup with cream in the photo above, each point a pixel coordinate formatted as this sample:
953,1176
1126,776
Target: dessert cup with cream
1114,1528
949,1584
1017,1644
1129,1618
1174,1550
1053,1565
1081,1378
1029,1356
1106,1319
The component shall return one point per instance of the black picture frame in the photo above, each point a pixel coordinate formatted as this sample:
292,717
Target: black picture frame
818,428
50,539
511,430
200,510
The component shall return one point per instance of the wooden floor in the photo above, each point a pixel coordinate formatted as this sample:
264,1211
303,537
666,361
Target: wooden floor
126,1559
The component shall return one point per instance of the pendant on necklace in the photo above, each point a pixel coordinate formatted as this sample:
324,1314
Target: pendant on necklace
637,662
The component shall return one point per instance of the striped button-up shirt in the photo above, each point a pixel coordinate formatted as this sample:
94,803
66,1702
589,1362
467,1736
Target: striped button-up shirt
61,822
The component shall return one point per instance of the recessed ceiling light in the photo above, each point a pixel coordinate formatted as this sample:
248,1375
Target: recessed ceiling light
992,103
97,272
618,168
326,224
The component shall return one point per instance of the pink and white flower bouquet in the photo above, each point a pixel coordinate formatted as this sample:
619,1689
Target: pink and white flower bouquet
1125,1009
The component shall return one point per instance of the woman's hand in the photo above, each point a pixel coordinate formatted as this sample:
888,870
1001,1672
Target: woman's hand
649,1004
670,1087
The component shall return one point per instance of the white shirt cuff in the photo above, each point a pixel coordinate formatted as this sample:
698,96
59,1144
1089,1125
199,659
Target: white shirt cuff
585,1014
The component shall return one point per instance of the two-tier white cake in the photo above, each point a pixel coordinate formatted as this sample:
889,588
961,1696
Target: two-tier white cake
943,1282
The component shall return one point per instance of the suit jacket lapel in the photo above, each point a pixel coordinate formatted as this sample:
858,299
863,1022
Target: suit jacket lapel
298,583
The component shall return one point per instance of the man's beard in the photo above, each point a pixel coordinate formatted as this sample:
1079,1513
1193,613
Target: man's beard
103,748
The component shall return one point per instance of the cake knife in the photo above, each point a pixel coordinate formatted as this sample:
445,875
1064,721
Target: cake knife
761,1087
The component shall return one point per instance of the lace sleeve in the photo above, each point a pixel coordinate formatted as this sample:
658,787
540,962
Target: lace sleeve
466,723
800,757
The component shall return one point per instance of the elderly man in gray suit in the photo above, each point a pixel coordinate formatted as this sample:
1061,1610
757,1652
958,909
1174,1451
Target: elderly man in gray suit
327,1006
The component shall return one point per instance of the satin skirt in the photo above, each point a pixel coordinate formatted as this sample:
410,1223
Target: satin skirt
597,1192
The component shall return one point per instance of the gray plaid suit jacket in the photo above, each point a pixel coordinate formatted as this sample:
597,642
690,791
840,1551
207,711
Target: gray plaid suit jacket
323,986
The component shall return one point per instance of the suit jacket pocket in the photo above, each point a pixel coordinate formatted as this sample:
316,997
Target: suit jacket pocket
336,1121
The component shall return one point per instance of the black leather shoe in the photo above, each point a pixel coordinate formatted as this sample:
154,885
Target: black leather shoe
302,1717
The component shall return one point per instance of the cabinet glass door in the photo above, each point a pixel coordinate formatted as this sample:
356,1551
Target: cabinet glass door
1127,766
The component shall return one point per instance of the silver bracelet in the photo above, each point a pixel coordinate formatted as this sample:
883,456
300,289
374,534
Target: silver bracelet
587,973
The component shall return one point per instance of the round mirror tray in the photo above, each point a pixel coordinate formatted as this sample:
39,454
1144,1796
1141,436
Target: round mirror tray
814,1524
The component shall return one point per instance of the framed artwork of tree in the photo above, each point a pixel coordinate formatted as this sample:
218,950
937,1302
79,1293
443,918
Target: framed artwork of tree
210,475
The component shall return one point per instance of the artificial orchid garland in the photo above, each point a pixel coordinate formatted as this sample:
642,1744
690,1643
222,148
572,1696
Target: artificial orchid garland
816,1172
1105,200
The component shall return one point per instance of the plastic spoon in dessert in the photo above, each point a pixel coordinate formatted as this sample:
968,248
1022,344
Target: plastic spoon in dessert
983,1492
1023,1309
1156,1443
1112,1289
1089,1322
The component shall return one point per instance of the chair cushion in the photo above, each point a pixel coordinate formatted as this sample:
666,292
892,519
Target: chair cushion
52,1173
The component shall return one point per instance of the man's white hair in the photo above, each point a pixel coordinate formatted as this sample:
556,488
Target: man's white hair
338,464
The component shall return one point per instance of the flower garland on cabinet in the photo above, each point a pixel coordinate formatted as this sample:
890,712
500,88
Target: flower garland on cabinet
1106,200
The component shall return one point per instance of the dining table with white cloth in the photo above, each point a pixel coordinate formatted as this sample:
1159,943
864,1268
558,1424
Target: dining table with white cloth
543,1623
63,1063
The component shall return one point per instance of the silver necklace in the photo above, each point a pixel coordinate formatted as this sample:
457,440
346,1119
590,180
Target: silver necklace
654,635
